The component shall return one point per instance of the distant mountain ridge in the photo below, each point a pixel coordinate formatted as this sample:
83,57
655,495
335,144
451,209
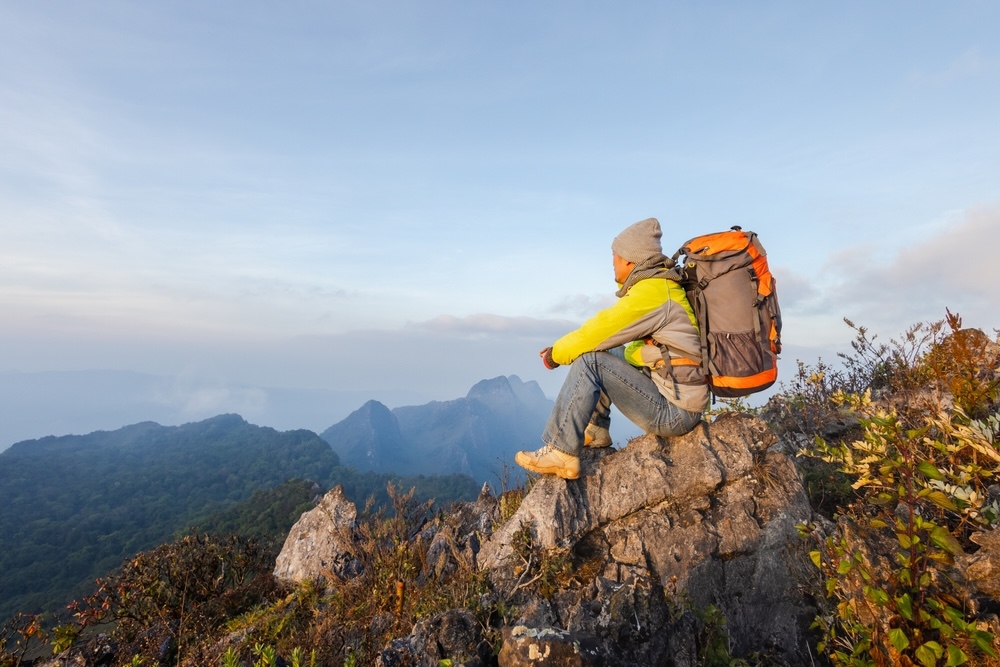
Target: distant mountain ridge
477,435
72,508
35,405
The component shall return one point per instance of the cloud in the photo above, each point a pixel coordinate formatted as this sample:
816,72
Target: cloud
793,289
195,397
581,305
955,268
485,324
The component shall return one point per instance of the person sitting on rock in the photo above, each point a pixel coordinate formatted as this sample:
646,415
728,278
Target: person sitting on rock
643,354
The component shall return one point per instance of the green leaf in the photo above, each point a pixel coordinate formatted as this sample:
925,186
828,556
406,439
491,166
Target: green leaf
955,617
904,540
929,653
941,499
928,469
956,656
905,606
817,558
845,566
884,499
878,523
898,639
877,596
984,642
943,538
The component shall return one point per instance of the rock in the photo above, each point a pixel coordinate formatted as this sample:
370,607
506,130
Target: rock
529,647
455,539
99,651
454,635
675,552
706,521
982,569
321,544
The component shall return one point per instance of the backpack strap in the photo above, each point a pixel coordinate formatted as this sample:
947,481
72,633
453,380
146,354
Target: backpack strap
700,306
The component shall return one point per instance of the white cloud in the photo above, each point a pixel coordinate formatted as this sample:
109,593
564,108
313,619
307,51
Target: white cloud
794,290
582,306
955,269
196,397
486,324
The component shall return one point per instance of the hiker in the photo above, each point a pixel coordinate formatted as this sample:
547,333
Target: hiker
643,354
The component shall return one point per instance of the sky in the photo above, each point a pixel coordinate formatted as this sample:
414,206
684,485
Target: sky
414,196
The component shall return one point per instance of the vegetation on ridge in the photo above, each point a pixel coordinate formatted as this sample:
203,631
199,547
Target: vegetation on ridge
921,466
76,507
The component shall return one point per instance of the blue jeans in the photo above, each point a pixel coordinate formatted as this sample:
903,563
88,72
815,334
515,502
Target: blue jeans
595,381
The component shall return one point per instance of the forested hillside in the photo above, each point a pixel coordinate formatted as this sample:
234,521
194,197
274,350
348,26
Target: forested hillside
75,507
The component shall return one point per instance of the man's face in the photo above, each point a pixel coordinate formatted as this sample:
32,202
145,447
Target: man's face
623,268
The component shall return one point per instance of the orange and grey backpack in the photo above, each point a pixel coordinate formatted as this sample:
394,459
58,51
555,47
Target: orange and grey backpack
731,290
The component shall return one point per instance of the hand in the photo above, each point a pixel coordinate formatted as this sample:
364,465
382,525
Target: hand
546,356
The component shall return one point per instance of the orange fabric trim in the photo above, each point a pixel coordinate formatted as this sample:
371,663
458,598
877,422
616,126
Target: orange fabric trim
713,244
734,241
765,377
765,281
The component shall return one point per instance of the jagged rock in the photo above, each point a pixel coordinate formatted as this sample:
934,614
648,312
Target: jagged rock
528,647
707,521
658,553
982,569
321,543
454,635
455,539
100,651
797,423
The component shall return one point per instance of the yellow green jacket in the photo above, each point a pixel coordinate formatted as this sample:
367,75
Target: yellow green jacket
656,309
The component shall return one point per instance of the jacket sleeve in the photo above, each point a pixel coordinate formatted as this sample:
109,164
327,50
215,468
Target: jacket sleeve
609,328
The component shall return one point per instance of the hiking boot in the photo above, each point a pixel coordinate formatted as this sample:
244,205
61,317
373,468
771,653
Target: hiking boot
596,436
550,461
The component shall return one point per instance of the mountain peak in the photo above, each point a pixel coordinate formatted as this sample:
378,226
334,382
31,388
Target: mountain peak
498,386
373,407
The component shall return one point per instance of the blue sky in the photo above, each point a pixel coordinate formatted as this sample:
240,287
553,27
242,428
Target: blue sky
420,195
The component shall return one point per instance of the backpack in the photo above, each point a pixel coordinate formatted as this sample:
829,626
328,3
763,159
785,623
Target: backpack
731,291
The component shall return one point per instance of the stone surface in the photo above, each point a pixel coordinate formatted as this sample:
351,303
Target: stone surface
321,543
706,521
982,569
661,551
454,635
529,647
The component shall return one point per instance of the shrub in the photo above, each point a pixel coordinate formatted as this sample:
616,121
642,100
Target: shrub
165,600
921,469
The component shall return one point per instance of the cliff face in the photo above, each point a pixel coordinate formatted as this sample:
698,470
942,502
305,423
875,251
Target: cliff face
702,522
654,536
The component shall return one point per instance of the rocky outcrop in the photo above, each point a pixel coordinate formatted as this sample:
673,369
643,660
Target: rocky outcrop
321,543
670,529
660,553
